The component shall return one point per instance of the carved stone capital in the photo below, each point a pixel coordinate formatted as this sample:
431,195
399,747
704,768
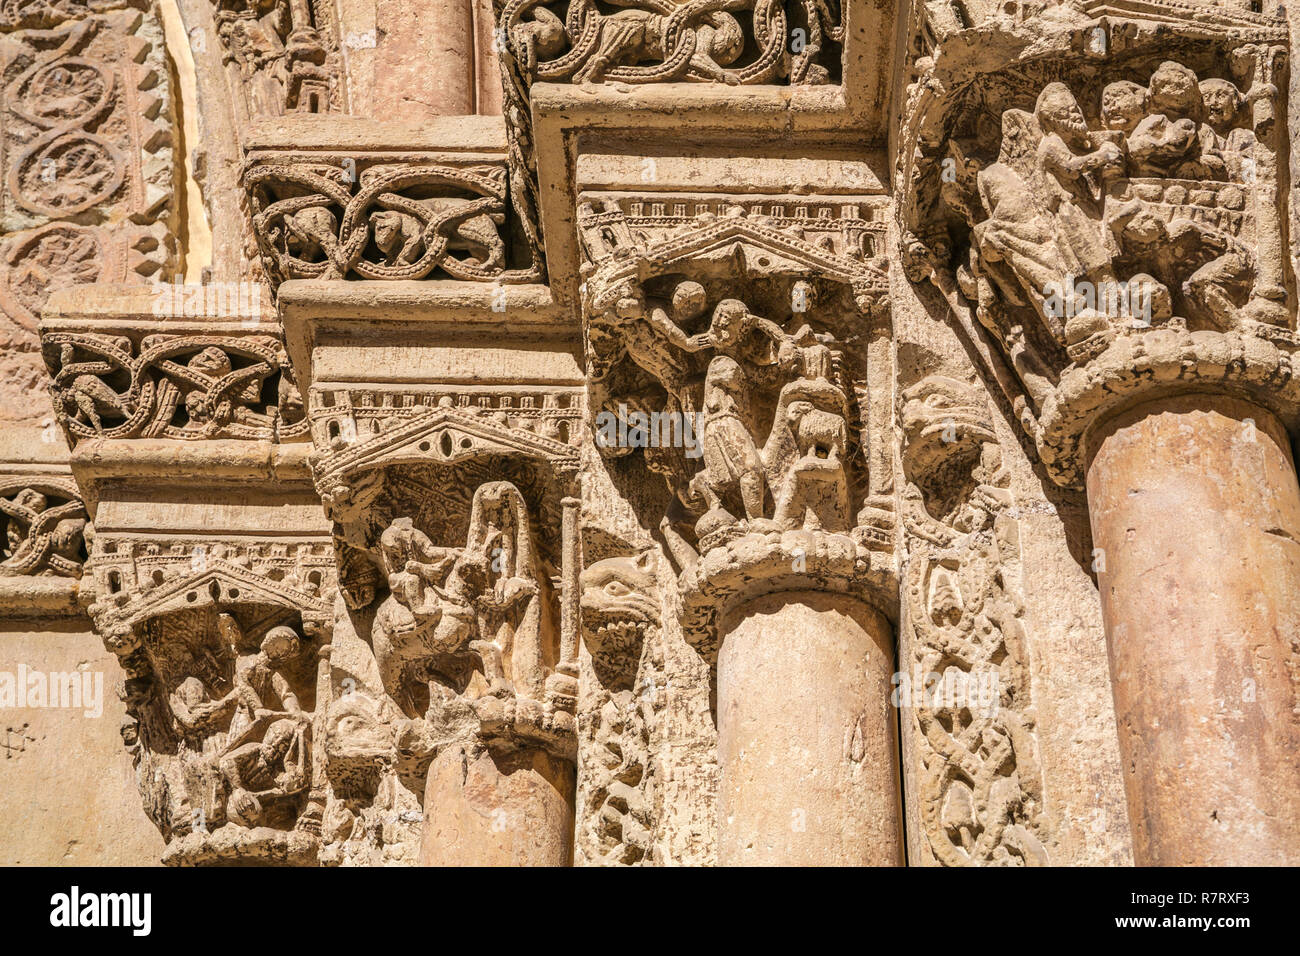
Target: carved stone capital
1083,226
164,376
372,202
730,344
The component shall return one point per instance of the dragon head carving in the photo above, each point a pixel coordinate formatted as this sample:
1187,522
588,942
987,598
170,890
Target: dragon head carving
620,601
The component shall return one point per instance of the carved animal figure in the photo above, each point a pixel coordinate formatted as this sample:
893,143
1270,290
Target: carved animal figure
543,37
312,234
619,601
93,398
629,37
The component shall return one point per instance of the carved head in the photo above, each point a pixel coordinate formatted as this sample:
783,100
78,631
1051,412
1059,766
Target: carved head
279,737
387,227
620,600
943,420
1123,105
731,320
1222,104
689,300
1058,112
1175,92
281,644
727,40
724,380
631,305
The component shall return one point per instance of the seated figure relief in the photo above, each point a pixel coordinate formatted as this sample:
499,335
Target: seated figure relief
1083,229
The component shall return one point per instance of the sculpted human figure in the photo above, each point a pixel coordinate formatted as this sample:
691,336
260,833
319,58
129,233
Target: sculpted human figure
265,775
1123,106
1017,243
1172,140
511,619
1074,169
1223,108
731,459
261,687
650,332
804,458
200,718
427,611
763,345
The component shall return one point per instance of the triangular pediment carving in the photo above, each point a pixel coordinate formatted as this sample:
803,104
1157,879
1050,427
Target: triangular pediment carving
222,582
739,245
442,436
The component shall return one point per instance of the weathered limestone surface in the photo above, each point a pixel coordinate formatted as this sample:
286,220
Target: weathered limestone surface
807,779
547,432
94,819
1202,652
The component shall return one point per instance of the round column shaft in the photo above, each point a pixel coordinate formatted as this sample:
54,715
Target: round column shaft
807,739
482,809
1195,507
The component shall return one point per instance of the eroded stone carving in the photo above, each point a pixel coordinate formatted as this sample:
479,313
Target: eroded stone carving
664,42
1141,202
748,410
981,797
616,787
173,386
468,654
381,222
89,165
44,527
280,58
224,645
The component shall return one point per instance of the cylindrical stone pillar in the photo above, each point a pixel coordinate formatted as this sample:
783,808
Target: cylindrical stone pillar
807,739
486,809
1196,511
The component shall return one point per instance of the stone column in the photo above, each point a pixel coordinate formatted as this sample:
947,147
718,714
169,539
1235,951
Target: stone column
487,809
1195,507
424,62
807,738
